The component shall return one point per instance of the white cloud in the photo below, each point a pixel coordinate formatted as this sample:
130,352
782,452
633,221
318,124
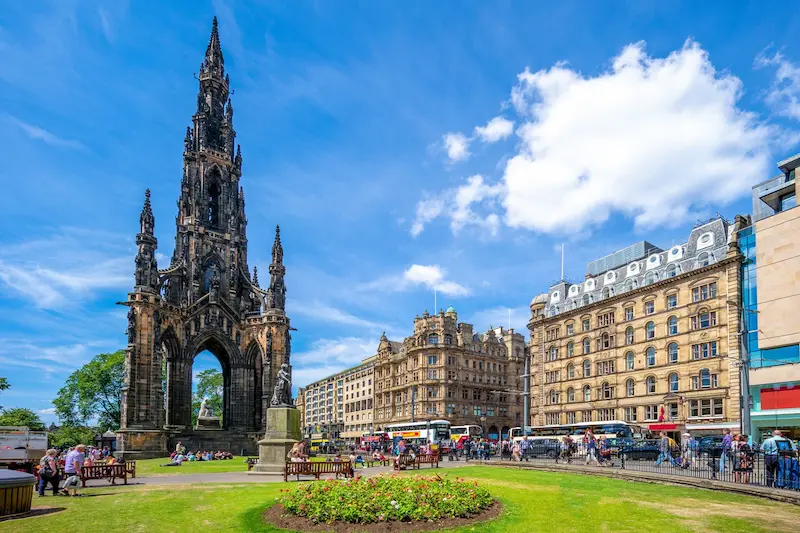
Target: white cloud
430,276
328,356
48,411
784,95
327,313
27,354
459,205
497,129
499,316
457,146
41,134
427,209
659,140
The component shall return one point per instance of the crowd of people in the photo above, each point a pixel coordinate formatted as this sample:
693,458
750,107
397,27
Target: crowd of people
180,455
70,461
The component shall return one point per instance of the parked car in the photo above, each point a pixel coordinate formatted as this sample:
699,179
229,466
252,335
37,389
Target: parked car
710,446
644,450
544,447
616,444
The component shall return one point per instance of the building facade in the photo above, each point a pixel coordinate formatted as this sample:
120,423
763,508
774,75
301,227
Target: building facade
649,337
358,400
770,302
321,409
445,370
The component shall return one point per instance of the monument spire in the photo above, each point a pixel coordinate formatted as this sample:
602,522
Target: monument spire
276,293
146,274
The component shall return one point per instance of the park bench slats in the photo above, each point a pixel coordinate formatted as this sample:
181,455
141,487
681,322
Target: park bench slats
316,468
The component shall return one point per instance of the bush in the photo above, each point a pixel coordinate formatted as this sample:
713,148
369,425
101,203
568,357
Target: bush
385,498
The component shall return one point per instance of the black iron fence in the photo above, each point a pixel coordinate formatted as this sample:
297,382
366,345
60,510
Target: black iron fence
748,467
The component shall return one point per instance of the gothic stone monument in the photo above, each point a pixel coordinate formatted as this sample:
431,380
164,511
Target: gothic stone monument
205,299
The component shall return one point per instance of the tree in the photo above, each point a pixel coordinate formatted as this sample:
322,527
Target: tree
4,384
93,392
19,416
67,436
209,385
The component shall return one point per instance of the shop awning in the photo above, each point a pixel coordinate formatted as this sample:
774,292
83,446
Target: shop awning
718,425
662,427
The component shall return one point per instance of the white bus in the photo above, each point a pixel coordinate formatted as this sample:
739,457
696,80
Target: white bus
426,432
459,434
611,429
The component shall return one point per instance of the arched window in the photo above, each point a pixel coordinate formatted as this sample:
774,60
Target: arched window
704,259
587,346
606,391
570,349
651,385
629,361
672,352
448,339
553,397
213,204
433,338
553,353
630,388
570,395
608,292
630,284
586,300
554,310
651,356
673,382
587,368
650,331
650,278
672,325
629,335
673,270
570,371
705,378
587,394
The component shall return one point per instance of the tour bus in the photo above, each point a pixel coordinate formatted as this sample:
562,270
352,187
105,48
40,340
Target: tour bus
611,429
427,432
460,434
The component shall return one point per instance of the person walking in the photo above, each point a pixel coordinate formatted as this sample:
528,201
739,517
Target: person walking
665,451
772,448
590,443
725,458
72,470
48,472
515,450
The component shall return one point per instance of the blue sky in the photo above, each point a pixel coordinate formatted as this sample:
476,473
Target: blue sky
402,147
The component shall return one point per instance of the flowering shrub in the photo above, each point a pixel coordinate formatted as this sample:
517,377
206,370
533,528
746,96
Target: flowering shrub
384,498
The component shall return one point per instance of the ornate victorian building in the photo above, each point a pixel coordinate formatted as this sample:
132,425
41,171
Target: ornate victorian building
206,299
447,371
650,336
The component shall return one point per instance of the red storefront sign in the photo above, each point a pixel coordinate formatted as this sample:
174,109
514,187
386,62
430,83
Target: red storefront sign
663,427
780,398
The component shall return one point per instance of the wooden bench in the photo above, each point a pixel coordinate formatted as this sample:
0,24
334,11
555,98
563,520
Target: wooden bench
316,468
415,462
251,462
109,472
130,468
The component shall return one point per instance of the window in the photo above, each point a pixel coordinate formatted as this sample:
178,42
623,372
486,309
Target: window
650,278
630,284
650,331
433,339
586,416
630,388
476,394
587,394
672,301
586,300
586,325
651,385
570,394
711,407
606,319
629,335
787,201
605,342
570,329
705,378
606,414
586,346
476,410
629,361
553,397
570,371
553,353
672,270
672,410
606,391
651,412
552,334
704,259
465,392
630,414
587,368
433,392
672,353
704,292
571,418
704,350
433,359
607,292
673,382
605,367
570,349
552,418
650,307
629,313
651,356
433,374
672,325
704,320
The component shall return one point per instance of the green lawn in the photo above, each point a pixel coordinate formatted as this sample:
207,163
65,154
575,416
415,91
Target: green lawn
152,467
533,501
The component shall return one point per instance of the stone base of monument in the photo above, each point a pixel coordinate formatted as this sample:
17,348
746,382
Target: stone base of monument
208,422
283,430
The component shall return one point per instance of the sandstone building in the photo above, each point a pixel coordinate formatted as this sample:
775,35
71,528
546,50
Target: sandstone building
649,337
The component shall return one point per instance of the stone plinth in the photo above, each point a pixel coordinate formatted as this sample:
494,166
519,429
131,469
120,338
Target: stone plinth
283,430
208,422
135,444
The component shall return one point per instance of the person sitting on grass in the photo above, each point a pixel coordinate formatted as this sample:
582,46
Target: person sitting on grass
176,461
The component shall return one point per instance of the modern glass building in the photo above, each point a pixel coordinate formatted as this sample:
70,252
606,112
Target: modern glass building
770,304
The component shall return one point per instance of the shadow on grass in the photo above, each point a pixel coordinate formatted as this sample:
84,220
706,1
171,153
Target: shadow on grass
33,513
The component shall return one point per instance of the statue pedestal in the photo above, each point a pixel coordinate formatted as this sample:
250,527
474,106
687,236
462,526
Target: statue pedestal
208,422
283,430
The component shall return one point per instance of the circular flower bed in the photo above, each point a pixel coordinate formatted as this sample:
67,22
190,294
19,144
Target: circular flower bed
386,498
